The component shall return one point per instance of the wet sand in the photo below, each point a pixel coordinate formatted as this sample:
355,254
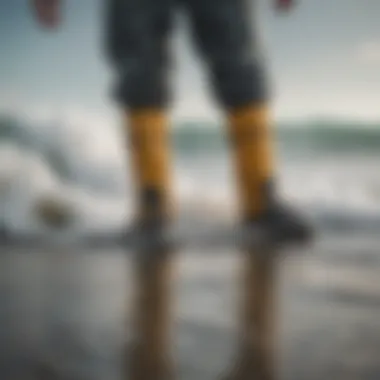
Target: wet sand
69,311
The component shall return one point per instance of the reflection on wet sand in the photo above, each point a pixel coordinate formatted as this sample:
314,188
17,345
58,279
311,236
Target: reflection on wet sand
64,315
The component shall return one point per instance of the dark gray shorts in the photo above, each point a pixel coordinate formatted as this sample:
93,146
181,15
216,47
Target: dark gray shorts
223,32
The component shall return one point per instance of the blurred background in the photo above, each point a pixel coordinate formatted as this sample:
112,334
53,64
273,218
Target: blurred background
63,167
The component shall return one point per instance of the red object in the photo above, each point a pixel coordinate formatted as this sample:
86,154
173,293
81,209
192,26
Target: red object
47,12
284,4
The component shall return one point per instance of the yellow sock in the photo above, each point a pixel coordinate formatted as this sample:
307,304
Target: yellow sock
150,159
249,131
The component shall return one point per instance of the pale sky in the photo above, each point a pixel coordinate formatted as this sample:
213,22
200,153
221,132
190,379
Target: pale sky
324,60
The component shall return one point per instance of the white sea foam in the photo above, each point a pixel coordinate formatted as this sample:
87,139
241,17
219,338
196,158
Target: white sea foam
89,174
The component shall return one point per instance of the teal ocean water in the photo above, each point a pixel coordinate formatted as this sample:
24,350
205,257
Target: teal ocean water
315,137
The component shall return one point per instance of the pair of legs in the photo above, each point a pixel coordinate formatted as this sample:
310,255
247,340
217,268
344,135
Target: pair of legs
138,45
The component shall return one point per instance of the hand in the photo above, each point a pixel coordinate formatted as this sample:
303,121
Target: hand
284,5
48,12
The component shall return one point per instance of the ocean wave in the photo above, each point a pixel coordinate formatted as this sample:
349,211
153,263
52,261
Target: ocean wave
89,174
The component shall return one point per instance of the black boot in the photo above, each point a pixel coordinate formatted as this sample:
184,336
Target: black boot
280,223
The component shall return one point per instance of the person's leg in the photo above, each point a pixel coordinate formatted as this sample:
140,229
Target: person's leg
224,32
137,41
223,35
